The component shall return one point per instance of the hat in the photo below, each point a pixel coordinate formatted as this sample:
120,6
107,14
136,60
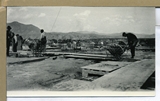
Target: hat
123,34
42,30
9,27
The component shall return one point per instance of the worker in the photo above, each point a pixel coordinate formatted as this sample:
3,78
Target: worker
101,44
43,40
132,42
20,41
8,40
14,43
74,44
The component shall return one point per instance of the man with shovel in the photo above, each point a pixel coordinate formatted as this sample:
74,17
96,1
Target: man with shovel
132,42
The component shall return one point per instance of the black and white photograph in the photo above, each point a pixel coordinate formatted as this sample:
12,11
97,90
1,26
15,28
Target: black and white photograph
82,49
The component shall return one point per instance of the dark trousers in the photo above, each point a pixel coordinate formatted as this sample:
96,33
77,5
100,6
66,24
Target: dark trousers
8,47
132,47
133,51
15,47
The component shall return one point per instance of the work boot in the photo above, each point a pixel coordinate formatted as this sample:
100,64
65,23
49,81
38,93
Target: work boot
132,57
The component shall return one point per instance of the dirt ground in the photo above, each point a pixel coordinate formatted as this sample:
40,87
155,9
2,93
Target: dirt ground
32,75
42,75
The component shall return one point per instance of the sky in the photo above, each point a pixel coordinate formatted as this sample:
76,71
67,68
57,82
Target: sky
140,20
158,16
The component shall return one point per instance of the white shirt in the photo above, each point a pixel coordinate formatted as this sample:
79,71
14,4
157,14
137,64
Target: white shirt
42,35
102,42
15,38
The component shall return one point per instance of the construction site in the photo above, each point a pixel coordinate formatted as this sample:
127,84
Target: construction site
77,68
84,49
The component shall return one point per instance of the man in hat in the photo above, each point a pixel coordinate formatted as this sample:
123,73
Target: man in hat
43,40
132,42
9,38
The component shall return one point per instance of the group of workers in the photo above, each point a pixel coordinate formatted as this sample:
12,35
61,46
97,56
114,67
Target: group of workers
132,41
12,38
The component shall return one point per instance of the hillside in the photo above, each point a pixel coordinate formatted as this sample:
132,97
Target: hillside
32,31
24,30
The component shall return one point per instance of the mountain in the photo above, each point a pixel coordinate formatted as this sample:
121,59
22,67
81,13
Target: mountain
145,36
31,31
25,30
151,36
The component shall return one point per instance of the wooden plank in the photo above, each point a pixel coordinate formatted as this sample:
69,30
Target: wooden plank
77,54
130,77
56,53
27,61
90,58
90,55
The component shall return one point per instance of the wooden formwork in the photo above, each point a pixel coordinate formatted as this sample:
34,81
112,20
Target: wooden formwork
102,68
86,71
